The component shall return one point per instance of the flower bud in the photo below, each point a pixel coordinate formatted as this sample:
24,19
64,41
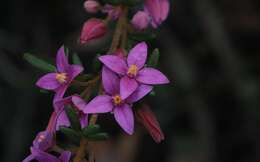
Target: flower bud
113,11
140,20
158,10
92,29
146,117
91,6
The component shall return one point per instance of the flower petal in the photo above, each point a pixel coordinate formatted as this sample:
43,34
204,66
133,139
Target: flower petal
127,86
43,156
28,158
61,60
137,56
110,81
83,120
151,76
139,93
48,82
59,104
78,102
125,118
59,95
65,156
73,71
114,63
100,104
62,120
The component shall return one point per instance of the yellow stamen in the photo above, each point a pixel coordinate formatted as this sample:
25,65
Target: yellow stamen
61,77
117,100
132,71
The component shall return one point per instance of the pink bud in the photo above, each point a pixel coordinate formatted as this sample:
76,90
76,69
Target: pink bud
140,20
158,10
148,119
91,6
92,29
113,11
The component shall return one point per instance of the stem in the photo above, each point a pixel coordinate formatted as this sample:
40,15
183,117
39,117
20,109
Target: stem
81,151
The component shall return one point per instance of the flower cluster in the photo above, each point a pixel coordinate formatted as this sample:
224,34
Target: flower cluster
124,80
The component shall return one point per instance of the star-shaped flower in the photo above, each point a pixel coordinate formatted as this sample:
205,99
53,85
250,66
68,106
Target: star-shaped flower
60,80
133,71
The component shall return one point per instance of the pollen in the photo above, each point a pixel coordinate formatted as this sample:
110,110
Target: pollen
132,71
117,100
61,77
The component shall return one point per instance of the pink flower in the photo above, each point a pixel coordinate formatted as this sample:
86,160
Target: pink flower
92,29
147,118
133,71
77,103
112,101
140,20
158,10
91,6
60,80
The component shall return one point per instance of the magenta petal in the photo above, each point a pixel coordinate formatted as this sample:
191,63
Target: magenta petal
127,86
78,102
83,120
28,158
43,156
61,60
165,7
59,104
125,118
137,56
65,156
100,104
114,63
74,70
59,95
110,81
48,82
62,120
139,93
151,76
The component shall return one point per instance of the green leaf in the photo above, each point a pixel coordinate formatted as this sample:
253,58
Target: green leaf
98,137
71,134
73,118
154,58
96,63
39,63
44,91
76,59
91,130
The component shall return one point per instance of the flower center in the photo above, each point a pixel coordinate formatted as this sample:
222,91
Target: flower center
41,138
132,71
61,77
117,100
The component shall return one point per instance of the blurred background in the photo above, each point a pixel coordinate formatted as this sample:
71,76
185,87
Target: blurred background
209,49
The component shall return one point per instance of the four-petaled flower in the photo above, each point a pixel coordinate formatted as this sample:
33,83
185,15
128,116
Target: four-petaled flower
133,71
113,101
60,80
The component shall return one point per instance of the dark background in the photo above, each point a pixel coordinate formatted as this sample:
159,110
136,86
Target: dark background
210,51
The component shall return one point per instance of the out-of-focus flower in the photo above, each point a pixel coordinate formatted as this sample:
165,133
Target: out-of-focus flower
113,11
91,6
42,156
158,10
60,80
140,20
146,117
133,71
77,103
113,101
92,29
